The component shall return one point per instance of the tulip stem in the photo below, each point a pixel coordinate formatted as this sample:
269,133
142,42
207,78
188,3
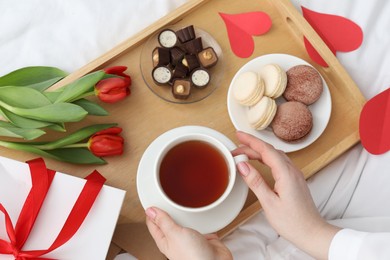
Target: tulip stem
79,145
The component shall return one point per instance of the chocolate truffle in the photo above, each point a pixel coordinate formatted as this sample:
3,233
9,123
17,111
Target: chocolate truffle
167,38
208,57
162,74
177,55
194,46
186,34
292,122
191,62
181,88
180,71
160,56
200,78
304,84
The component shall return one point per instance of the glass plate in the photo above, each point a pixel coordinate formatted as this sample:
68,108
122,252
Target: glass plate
165,91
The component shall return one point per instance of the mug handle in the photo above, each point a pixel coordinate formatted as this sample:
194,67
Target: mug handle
240,158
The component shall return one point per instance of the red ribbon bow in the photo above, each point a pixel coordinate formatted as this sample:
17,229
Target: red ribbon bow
41,179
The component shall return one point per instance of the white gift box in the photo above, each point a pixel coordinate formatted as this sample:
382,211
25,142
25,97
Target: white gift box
93,238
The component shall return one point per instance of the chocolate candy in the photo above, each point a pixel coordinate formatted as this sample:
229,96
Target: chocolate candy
177,55
191,62
180,71
161,56
181,88
186,34
162,74
200,78
167,38
208,57
194,46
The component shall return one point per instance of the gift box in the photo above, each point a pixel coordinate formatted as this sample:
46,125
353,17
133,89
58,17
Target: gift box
76,219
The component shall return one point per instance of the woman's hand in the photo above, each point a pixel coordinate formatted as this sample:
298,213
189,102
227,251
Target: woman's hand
289,206
177,242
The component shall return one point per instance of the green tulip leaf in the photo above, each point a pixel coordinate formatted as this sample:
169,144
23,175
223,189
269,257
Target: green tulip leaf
71,155
23,122
76,156
31,75
56,113
42,86
91,107
76,89
75,137
9,130
59,127
23,97
52,95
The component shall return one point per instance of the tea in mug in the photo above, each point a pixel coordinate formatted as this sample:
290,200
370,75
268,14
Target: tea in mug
194,174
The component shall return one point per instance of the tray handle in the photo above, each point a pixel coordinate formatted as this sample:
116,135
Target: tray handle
301,27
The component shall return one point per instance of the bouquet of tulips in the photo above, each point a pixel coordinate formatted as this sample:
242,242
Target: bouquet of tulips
28,107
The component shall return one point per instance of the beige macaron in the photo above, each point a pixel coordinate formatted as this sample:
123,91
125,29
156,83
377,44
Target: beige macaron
248,88
275,80
262,113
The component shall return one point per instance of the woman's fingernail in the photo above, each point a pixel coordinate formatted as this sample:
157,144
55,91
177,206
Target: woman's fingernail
243,168
151,213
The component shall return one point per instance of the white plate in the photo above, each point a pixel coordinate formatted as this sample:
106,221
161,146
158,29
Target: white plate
204,222
320,110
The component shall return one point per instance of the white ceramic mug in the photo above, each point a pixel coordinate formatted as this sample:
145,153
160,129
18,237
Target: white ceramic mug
220,147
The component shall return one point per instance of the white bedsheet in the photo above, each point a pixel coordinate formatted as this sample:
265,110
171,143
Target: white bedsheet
69,34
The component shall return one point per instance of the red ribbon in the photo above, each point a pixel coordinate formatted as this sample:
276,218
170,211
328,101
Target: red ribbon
41,179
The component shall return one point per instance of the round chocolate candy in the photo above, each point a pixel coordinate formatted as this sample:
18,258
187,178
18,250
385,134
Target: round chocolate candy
200,78
161,74
167,38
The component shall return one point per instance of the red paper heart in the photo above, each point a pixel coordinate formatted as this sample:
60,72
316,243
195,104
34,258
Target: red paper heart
339,33
241,28
374,124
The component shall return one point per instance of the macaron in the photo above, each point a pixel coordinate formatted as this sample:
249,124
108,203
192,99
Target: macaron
275,80
262,113
248,88
304,84
292,122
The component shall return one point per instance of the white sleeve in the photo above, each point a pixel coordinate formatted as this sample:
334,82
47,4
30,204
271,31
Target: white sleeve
354,245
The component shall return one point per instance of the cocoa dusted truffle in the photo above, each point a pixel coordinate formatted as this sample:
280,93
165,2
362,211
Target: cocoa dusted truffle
181,88
200,78
186,34
208,57
167,38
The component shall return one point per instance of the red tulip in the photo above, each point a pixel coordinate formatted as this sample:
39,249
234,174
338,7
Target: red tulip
106,142
113,89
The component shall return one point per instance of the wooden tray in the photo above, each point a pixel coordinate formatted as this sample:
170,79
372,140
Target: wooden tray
144,116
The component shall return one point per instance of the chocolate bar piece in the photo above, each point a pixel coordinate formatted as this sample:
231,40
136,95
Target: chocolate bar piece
208,57
167,38
200,78
162,74
186,34
191,62
194,46
177,55
161,56
181,88
180,71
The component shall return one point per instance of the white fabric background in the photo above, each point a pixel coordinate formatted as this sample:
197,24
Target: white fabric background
70,33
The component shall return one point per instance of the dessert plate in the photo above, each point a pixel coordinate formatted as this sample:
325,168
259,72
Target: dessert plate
165,91
204,222
320,110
